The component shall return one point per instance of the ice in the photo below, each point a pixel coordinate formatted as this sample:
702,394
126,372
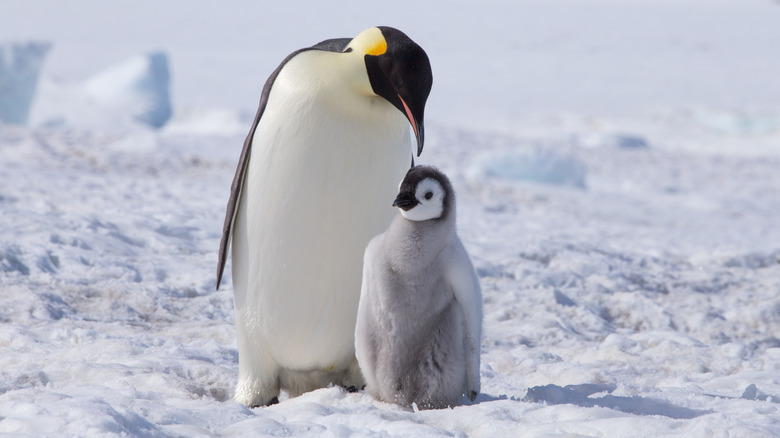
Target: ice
20,66
138,86
118,98
744,122
535,165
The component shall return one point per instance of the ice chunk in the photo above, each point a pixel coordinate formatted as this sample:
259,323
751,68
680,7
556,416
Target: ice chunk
139,86
752,393
626,141
20,65
536,165
612,140
746,122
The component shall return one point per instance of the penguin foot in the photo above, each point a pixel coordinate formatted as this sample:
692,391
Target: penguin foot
273,401
351,388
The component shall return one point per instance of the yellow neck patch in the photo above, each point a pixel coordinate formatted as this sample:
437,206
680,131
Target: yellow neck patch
369,42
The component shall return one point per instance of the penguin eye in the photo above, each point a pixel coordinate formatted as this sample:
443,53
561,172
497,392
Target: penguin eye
428,195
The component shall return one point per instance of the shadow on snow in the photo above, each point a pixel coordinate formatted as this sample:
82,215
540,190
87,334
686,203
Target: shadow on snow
580,395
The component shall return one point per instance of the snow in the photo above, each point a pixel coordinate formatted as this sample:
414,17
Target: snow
643,301
20,65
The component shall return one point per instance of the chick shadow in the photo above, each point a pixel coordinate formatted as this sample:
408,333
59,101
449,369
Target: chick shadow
484,398
579,395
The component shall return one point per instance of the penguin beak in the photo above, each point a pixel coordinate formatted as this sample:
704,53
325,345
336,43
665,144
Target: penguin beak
418,127
405,201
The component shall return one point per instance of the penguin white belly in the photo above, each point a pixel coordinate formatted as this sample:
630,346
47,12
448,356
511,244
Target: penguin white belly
297,263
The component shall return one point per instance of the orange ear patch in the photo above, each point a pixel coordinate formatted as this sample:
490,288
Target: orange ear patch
378,49
369,42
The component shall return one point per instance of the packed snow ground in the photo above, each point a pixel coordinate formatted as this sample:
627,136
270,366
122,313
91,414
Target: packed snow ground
630,262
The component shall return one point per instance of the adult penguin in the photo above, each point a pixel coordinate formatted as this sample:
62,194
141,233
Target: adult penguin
327,148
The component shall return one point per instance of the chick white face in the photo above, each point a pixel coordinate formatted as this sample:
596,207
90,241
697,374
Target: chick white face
427,201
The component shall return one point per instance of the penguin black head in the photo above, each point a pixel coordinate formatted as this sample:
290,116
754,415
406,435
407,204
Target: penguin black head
399,71
425,193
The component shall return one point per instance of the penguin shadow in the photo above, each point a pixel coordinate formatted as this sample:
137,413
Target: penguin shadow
580,395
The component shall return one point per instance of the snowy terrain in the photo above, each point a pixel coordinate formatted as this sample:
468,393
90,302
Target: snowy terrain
618,172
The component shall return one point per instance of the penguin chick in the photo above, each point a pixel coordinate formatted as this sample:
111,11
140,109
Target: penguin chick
417,337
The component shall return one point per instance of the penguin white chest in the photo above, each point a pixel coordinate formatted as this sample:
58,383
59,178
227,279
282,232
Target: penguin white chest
316,191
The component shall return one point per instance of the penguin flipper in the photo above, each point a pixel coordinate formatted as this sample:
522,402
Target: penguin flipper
331,45
465,286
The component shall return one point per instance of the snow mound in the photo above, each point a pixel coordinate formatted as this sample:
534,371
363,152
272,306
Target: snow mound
208,121
139,86
20,65
745,122
534,165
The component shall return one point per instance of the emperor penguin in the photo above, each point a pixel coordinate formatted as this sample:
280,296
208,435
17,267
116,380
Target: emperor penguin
419,326
330,141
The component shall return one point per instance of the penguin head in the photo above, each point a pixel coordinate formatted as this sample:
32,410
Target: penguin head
425,194
399,71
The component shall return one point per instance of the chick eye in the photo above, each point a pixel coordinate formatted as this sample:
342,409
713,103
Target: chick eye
428,195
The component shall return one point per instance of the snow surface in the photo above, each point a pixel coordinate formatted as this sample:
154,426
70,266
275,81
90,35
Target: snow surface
643,301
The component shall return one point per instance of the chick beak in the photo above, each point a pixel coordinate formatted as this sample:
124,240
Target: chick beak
405,201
